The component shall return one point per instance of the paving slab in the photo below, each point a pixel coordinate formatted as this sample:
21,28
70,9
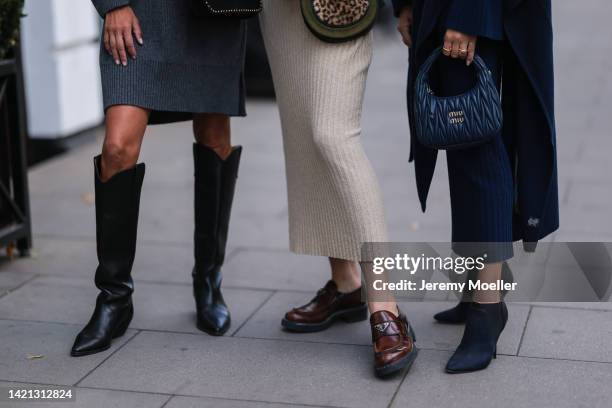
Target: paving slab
162,208
276,269
89,398
569,235
63,213
259,231
246,369
165,307
567,283
23,342
568,334
70,172
262,363
431,335
266,323
509,382
11,279
155,262
193,402
576,305
588,215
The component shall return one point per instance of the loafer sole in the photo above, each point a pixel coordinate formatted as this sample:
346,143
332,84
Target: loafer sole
398,366
352,315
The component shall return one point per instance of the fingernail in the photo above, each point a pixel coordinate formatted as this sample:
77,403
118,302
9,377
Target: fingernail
117,62
125,63
140,41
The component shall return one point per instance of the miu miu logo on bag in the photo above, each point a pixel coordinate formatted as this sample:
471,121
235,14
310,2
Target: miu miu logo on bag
456,117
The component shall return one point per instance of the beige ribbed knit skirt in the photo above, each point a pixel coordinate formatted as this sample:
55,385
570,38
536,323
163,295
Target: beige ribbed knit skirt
334,198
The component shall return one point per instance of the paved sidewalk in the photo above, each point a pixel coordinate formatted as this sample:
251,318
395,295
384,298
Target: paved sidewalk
557,355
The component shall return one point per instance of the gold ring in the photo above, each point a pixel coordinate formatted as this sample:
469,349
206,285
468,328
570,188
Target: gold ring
446,49
463,51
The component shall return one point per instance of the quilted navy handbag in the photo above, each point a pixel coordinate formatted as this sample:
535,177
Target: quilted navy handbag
457,122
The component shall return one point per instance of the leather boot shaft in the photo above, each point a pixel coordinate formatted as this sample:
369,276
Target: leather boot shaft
117,207
214,185
117,204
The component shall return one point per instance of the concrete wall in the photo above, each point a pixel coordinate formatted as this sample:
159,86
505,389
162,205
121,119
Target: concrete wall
60,47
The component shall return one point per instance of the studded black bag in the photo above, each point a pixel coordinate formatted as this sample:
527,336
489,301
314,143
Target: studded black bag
238,9
457,122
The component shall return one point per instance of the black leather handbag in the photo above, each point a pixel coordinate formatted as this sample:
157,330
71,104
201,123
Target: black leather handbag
238,9
457,122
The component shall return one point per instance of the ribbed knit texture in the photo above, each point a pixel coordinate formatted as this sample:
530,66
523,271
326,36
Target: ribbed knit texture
104,6
188,64
334,199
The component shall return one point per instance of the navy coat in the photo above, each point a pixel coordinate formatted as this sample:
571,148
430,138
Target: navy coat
529,119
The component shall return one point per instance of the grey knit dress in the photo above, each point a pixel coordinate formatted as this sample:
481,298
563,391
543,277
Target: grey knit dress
188,63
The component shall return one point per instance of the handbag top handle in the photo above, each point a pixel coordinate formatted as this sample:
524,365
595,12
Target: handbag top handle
483,74
458,121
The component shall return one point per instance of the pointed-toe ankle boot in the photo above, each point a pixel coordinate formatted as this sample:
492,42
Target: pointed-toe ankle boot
215,182
117,204
484,325
458,314
454,315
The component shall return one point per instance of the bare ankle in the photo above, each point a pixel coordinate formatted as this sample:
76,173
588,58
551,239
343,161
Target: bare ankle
345,274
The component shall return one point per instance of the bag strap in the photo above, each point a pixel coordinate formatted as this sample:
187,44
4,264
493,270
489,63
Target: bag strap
482,70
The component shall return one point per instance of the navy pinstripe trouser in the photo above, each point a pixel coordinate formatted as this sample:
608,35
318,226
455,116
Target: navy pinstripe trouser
480,178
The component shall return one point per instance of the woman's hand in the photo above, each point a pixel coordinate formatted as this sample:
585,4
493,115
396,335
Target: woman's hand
404,25
459,45
119,25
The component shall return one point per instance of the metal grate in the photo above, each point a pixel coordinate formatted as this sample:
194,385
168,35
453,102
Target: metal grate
15,227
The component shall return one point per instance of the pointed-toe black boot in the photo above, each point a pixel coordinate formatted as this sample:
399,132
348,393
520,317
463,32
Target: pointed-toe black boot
484,325
458,313
454,315
117,204
215,182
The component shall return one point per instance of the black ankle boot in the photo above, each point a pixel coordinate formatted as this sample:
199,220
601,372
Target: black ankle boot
117,204
458,314
215,181
484,325
454,315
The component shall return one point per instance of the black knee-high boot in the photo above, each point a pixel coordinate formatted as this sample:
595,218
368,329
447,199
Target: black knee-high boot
215,182
117,204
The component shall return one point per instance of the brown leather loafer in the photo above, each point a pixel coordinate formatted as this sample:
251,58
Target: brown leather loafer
324,309
393,339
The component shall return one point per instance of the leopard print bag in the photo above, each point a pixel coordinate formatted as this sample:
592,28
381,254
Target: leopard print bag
339,20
